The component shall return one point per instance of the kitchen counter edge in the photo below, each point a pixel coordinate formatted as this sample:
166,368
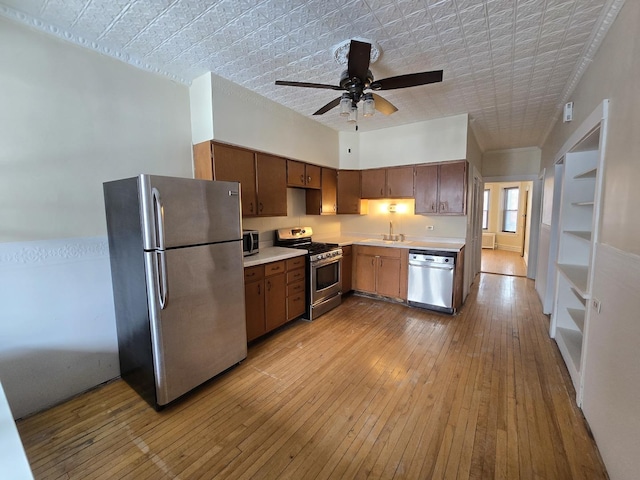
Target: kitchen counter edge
272,254
412,244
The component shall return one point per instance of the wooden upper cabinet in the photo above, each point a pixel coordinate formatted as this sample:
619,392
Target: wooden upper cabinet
426,189
348,191
452,191
393,182
373,182
271,172
400,182
324,201
302,175
237,165
441,189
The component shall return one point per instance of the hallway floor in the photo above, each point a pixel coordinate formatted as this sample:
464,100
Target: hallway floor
503,262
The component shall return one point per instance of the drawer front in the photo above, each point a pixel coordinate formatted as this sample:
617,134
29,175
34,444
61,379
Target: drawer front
252,274
295,288
295,275
297,262
274,268
295,306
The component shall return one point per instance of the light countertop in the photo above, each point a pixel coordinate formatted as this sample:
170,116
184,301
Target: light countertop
421,244
272,254
13,461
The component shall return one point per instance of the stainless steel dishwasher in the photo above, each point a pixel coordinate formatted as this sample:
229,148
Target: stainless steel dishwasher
431,280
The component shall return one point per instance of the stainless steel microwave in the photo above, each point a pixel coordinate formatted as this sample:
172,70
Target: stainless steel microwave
250,242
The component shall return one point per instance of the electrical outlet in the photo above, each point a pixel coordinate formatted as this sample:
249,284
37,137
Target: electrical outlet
595,303
429,227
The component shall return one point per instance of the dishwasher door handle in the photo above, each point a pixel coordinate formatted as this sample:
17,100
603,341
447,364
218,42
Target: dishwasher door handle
431,265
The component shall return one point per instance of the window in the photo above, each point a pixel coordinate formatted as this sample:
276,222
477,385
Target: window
510,218
485,210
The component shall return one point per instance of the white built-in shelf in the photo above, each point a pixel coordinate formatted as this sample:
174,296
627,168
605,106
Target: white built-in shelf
579,297
577,276
580,234
582,204
572,340
588,174
577,315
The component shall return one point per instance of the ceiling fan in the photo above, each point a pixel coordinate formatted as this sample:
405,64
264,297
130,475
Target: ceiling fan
357,79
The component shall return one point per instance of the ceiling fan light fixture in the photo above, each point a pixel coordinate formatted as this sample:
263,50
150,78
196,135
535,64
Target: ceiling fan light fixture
353,113
368,106
345,105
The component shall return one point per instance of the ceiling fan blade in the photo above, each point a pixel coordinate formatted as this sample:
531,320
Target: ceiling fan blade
384,106
308,85
359,56
329,106
409,80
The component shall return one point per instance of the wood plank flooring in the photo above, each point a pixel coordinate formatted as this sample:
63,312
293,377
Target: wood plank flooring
502,262
369,390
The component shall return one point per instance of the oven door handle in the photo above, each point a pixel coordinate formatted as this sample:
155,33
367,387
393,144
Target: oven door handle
326,261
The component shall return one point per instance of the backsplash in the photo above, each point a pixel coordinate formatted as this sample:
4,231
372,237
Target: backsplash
375,223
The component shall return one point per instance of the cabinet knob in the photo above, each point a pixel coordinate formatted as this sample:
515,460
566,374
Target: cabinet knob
443,208
261,206
259,289
382,191
309,179
433,207
334,207
251,207
269,285
302,179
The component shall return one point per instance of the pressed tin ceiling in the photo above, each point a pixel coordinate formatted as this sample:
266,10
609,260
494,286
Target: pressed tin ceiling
510,64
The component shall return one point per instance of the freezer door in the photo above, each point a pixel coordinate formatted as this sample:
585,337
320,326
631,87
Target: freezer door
197,315
179,212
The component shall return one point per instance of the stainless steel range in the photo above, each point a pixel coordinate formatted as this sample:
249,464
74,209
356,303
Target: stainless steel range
324,269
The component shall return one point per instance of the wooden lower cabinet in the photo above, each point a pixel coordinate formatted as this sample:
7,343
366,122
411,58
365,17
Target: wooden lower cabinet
381,271
274,294
347,268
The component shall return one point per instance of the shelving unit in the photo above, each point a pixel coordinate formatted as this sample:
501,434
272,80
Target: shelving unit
578,229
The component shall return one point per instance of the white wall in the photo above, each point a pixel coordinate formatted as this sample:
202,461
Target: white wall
239,116
511,162
70,119
430,141
612,385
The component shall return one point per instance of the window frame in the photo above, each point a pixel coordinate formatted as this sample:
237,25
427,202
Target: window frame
505,210
485,208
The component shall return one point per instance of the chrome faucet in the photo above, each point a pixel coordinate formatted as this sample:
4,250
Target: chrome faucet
391,229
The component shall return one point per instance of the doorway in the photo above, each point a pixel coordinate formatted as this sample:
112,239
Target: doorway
506,227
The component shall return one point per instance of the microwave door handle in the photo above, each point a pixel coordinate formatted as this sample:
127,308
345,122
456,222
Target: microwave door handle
158,210
254,243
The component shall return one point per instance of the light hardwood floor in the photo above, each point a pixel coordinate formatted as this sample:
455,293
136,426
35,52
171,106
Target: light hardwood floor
369,390
503,262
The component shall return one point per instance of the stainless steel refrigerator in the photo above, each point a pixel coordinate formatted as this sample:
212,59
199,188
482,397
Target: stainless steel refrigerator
175,248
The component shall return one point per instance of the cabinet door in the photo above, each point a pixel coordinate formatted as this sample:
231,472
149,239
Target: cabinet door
388,278
426,189
348,191
254,305
295,174
329,191
237,165
452,191
275,301
347,269
400,182
373,183
295,300
203,161
365,274
312,179
272,185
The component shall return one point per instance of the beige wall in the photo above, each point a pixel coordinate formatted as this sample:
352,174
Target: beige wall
71,119
511,162
611,367
224,111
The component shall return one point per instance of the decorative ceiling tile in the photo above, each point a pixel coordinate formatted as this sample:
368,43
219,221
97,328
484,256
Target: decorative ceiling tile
509,64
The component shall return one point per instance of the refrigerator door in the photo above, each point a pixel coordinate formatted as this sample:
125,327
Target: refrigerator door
178,212
197,314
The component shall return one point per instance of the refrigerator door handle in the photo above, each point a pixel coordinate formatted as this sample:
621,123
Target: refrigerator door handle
158,210
162,278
